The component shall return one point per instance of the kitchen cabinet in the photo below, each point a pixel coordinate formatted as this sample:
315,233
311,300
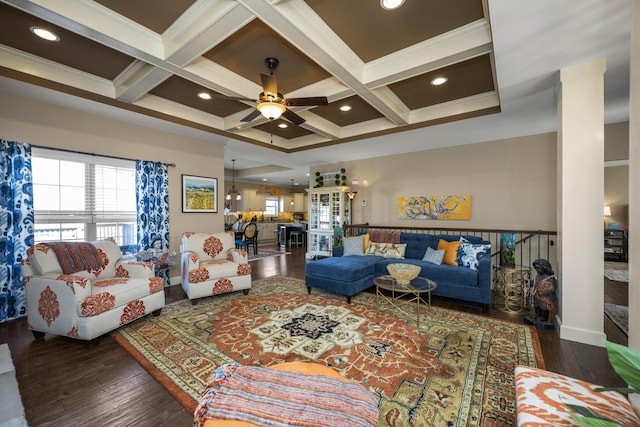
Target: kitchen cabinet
251,202
299,203
266,231
328,208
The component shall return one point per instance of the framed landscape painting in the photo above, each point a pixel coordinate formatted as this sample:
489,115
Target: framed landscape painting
199,194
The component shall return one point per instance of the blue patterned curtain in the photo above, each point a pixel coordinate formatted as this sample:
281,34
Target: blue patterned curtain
152,204
16,225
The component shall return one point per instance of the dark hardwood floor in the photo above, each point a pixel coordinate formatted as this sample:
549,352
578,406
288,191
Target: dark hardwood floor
64,382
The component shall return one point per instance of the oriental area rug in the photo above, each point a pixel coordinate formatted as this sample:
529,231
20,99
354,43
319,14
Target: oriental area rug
457,370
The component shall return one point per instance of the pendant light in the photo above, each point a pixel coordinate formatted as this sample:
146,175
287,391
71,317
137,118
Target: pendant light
292,202
233,190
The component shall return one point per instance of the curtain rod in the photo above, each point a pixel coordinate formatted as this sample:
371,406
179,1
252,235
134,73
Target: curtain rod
92,154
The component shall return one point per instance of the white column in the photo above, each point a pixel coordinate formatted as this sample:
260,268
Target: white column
634,181
580,201
634,189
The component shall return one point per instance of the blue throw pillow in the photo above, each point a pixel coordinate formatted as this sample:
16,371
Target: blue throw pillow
353,245
469,253
434,256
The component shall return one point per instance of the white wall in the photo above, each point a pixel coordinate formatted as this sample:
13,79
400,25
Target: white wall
52,126
512,183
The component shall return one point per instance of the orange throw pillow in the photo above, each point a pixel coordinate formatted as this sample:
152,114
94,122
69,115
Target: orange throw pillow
450,251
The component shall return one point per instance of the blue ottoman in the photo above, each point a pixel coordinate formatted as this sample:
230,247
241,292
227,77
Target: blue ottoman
345,275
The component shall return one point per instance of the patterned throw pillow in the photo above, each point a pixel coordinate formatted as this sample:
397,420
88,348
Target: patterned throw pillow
387,250
353,245
469,253
433,256
450,251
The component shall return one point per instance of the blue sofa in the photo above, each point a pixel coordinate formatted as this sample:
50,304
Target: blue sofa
349,275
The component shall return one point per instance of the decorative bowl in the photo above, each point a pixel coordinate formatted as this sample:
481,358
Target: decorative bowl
403,273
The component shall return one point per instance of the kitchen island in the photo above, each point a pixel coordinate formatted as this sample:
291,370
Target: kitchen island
285,229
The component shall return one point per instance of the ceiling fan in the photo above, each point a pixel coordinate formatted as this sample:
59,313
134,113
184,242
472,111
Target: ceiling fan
271,103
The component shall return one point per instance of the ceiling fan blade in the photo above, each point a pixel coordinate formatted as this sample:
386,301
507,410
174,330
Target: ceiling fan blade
293,117
269,85
298,102
252,115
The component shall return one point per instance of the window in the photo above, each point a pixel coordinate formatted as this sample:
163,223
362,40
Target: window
271,206
79,197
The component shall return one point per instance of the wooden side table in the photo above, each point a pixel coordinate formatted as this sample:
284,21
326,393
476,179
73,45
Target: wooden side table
513,289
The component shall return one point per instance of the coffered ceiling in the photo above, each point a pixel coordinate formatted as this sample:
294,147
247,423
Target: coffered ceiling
155,57
151,58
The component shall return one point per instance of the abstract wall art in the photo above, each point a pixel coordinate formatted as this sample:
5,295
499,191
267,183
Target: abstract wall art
435,207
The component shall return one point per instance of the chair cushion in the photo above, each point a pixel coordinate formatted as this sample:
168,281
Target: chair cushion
208,246
107,294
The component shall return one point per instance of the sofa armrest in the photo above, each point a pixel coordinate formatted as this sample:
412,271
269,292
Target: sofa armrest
135,269
54,300
484,271
64,285
189,261
238,255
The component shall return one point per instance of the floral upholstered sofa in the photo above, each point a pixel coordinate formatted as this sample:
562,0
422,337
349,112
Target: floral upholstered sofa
210,264
84,289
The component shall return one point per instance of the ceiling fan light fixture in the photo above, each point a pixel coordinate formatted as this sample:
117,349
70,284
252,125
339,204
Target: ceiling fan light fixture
391,4
271,110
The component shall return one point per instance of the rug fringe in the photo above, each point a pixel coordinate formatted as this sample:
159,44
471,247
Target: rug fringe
537,347
183,398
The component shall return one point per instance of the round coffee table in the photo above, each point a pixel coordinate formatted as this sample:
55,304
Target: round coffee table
416,287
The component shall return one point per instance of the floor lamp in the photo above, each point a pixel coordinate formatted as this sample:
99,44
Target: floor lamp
351,195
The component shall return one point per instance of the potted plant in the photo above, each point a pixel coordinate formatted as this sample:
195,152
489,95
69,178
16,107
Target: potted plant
337,237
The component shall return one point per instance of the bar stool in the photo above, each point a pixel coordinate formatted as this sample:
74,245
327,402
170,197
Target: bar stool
276,233
295,238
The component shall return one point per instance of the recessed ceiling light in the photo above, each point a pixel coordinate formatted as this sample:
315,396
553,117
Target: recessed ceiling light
45,34
439,81
345,108
283,125
391,4
264,179
204,95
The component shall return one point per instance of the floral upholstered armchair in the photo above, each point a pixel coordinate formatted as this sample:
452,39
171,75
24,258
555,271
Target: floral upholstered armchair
211,265
83,290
